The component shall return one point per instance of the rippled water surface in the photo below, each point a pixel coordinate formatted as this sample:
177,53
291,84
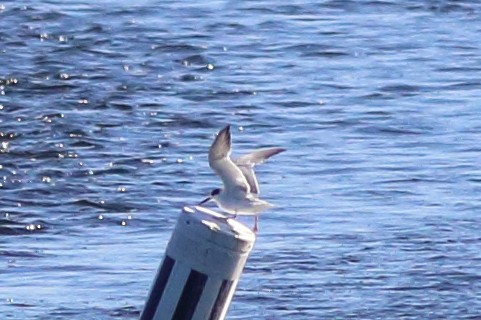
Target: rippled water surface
107,110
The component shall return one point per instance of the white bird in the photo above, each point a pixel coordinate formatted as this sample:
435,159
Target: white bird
240,195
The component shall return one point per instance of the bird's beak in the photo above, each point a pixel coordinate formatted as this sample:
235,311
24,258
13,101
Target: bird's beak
205,200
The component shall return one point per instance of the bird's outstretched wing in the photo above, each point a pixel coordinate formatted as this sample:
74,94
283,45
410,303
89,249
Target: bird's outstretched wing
220,161
247,162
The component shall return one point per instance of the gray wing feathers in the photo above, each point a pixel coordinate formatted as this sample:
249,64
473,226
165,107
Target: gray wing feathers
247,162
221,147
258,156
250,176
219,160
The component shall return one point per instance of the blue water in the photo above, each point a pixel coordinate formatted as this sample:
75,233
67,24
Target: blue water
107,110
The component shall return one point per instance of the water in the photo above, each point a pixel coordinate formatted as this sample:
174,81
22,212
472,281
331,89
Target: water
108,109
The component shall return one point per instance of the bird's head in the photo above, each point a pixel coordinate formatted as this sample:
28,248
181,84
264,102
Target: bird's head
214,194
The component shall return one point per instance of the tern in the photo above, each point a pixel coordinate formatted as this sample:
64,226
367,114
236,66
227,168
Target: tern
240,194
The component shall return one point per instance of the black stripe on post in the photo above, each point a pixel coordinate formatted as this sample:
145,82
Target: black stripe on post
158,289
220,300
190,296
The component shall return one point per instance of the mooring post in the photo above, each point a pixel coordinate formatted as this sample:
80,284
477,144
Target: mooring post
203,262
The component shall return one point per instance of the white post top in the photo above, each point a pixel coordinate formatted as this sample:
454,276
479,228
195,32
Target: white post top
217,228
